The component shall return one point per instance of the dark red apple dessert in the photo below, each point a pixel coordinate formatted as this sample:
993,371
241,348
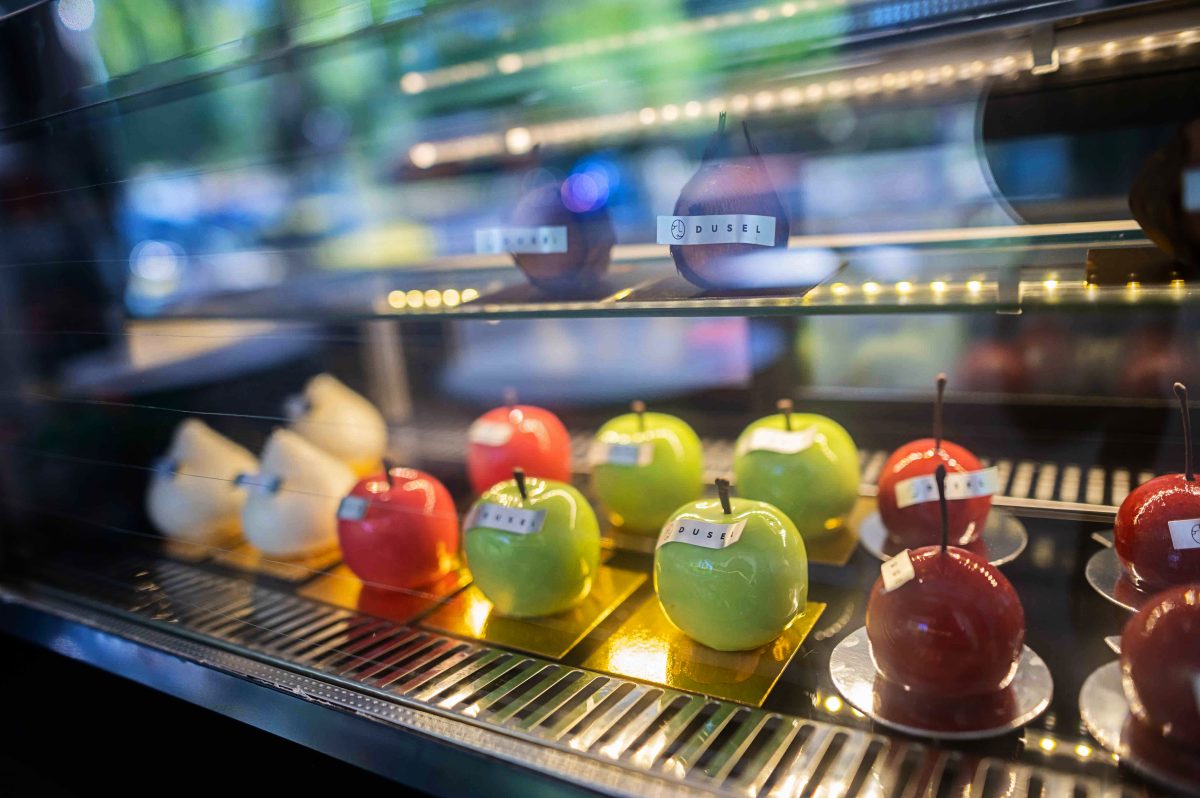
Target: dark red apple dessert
588,232
1160,665
907,505
1157,531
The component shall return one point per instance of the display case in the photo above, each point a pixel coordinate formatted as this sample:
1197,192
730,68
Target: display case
515,398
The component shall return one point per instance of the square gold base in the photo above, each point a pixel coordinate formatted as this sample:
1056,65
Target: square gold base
341,588
650,648
471,615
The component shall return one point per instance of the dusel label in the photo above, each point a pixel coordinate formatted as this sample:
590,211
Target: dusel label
735,228
489,433
765,439
897,571
1185,534
963,485
621,454
706,534
538,240
507,519
352,508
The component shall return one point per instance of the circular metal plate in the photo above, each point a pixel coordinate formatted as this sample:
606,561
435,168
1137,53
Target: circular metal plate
854,675
1105,574
1105,714
1002,541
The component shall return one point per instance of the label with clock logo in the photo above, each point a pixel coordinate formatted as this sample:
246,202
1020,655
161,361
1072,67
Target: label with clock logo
707,534
960,485
897,571
1185,534
506,519
732,228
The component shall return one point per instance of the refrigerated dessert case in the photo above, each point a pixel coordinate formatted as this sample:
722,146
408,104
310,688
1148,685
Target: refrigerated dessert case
287,286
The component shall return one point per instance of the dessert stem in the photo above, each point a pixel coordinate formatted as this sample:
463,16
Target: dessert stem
723,493
1181,392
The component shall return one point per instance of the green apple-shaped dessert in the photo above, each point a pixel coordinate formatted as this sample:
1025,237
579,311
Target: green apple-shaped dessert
732,574
804,464
644,465
532,545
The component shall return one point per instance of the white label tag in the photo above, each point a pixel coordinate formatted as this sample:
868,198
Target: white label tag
964,485
352,508
765,439
621,454
733,228
507,519
497,240
1191,190
701,533
1185,534
897,572
489,433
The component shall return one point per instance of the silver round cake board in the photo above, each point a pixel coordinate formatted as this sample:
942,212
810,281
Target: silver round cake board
854,675
1105,574
1104,711
1003,535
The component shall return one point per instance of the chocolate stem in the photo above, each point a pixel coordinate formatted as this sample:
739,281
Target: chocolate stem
639,407
519,476
388,465
721,124
723,493
937,413
1182,392
939,476
510,397
785,407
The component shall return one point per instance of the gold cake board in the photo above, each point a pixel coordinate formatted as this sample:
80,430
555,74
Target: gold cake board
341,588
649,647
468,614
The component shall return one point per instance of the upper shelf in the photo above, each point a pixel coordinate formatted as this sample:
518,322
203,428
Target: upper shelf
1005,270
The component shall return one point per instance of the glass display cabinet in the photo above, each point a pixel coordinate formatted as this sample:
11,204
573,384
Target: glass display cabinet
526,397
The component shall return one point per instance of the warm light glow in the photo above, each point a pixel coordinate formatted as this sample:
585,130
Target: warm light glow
761,14
413,83
870,288
433,298
938,286
450,297
739,103
764,100
510,63
1133,285
1050,285
469,295
792,96
1177,283
647,116
839,289
670,113
1047,744
396,299
833,704
518,140
787,10
904,287
974,286
1083,751
423,155
693,109
1109,48
415,298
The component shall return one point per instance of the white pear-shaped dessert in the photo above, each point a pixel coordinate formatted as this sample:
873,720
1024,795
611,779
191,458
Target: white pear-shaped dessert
341,422
291,511
192,496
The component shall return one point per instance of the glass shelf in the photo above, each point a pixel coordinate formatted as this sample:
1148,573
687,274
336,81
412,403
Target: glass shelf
1005,270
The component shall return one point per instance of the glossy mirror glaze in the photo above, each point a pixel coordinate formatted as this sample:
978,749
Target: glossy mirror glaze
921,524
1143,536
590,238
543,572
739,597
537,441
955,629
1160,665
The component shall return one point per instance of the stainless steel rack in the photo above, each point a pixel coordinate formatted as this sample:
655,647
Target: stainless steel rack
661,741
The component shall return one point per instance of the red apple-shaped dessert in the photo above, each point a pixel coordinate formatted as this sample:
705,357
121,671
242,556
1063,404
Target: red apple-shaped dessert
1160,664
907,502
567,235
1157,529
729,209
517,436
944,621
398,529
